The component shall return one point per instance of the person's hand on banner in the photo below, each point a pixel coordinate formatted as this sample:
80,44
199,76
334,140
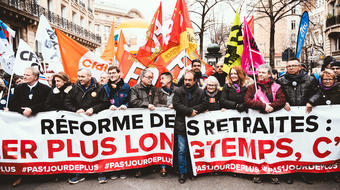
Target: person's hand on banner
89,111
113,107
122,107
269,108
6,109
287,107
194,113
223,109
26,111
309,107
151,107
171,106
80,111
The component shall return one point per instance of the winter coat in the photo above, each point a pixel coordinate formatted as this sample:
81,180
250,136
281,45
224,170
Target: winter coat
56,98
213,100
220,77
22,94
331,96
304,89
184,102
164,98
119,95
141,96
230,99
93,97
277,99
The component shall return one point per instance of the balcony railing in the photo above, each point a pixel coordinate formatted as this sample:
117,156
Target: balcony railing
332,21
36,10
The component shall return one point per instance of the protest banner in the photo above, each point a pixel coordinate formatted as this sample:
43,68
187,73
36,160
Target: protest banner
65,142
255,143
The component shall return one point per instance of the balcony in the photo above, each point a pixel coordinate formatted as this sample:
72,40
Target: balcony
34,10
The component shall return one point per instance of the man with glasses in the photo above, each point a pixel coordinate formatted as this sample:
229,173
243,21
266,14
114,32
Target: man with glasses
220,74
335,66
143,96
300,89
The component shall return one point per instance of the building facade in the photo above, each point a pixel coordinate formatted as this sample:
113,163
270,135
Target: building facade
332,29
73,17
105,13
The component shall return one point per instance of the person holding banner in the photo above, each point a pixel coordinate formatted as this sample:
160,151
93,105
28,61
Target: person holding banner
300,88
330,89
86,97
188,101
29,98
142,95
62,85
3,95
212,92
118,93
267,96
233,92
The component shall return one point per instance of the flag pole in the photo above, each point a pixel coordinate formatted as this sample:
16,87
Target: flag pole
9,88
251,58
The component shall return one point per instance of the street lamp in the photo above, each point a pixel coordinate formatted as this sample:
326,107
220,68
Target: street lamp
213,54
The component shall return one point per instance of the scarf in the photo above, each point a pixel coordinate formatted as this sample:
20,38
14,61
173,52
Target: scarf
327,88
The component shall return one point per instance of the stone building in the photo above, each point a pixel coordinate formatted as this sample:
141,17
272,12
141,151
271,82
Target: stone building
332,30
74,17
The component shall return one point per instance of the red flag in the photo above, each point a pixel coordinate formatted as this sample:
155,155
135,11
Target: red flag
181,34
149,52
251,57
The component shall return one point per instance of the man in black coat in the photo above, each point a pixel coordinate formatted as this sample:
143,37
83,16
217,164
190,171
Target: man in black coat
189,100
88,97
220,74
29,97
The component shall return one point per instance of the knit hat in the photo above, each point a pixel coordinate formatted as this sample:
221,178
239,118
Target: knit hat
336,63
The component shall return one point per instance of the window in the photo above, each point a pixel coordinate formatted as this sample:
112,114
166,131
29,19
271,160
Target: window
277,63
293,24
63,11
107,32
74,17
293,10
96,28
336,44
90,25
50,5
82,21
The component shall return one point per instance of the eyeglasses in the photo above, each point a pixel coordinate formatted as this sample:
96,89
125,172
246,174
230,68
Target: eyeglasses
150,77
328,79
291,66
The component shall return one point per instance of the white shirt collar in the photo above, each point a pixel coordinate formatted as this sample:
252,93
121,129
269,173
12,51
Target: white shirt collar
35,84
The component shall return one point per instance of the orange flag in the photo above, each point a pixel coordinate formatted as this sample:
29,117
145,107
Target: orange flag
251,24
109,51
75,56
120,48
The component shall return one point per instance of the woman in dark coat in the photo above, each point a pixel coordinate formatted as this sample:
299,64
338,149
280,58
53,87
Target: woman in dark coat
330,90
233,92
61,85
212,93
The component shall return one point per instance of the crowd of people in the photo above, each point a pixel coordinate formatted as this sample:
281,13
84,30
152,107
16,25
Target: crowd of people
195,93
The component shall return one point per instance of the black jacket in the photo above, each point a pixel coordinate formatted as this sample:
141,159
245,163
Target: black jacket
331,96
230,99
56,98
213,100
94,97
220,77
21,98
184,102
142,96
305,91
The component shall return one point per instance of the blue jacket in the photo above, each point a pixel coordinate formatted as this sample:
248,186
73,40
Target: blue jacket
121,96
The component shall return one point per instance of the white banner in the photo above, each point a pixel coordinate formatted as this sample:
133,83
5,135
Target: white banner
256,143
66,142
25,57
49,45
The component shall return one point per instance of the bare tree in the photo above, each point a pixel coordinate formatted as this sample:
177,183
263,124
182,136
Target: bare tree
202,9
219,33
276,10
